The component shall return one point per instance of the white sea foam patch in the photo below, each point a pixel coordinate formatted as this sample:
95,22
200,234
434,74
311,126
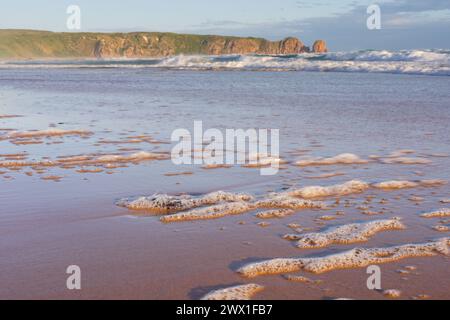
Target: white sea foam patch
350,187
354,258
445,212
275,213
216,205
44,133
220,204
256,160
210,212
431,62
240,292
345,234
223,209
106,160
442,56
138,156
342,159
288,202
406,160
405,62
405,184
392,293
239,207
165,203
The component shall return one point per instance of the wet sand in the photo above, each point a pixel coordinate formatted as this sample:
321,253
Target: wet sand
59,214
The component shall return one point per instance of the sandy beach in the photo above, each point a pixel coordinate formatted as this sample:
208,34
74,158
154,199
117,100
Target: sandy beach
79,145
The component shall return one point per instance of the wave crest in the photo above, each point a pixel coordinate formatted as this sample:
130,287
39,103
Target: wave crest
426,62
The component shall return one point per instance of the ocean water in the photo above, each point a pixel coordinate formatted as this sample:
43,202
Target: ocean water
429,62
370,104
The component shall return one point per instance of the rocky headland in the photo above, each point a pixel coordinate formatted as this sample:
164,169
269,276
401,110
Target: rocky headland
30,44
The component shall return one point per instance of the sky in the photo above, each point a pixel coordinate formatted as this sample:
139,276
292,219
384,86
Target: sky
405,24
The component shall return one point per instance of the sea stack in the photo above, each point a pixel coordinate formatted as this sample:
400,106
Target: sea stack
320,46
292,45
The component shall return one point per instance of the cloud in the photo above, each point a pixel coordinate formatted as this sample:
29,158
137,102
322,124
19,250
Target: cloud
400,6
407,24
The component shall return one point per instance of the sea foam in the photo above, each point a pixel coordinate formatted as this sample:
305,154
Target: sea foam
240,292
422,62
346,234
354,258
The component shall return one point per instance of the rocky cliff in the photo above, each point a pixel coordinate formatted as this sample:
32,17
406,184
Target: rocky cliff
26,44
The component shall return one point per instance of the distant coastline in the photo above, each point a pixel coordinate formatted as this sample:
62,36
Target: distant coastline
31,44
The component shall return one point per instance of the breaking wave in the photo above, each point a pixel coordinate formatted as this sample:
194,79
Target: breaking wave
426,62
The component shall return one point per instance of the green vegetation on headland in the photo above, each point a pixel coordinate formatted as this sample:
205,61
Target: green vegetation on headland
30,44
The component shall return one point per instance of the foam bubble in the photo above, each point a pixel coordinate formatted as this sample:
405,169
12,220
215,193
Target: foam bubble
260,161
441,228
302,279
16,164
326,218
214,206
433,183
355,258
395,184
400,153
392,293
46,133
52,178
406,160
89,160
326,175
350,187
210,212
270,214
94,170
290,203
21,142
240,292
166,203
138,156
343,159
431,62
216,166
346,234
438,213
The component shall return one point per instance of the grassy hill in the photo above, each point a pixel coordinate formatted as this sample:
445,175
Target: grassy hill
31,44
